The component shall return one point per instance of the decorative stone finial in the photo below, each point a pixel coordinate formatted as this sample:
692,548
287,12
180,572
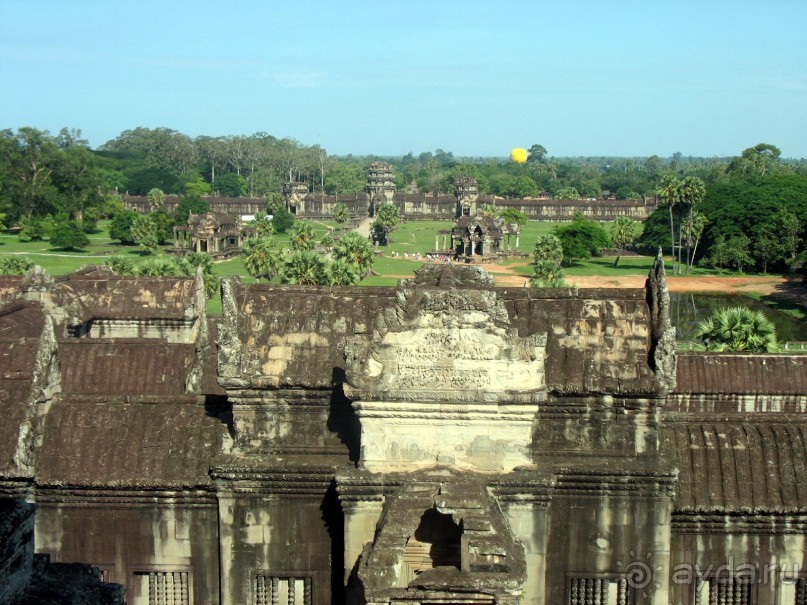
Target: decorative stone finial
662,349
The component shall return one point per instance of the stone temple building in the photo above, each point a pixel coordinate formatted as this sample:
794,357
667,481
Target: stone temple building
216,233
380,189
444,442
482,237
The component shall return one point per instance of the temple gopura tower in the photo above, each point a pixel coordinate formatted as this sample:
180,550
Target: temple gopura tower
445,441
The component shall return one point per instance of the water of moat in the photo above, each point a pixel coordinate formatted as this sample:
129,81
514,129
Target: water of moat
687,309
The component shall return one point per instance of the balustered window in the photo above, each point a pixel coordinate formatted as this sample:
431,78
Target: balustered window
599,591
730,590
283,590
161,588
793,591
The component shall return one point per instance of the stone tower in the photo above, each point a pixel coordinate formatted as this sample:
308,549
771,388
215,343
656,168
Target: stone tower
467,192
380,184
295,197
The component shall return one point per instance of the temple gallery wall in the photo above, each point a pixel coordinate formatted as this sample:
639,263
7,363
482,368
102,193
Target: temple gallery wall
380,189
445,441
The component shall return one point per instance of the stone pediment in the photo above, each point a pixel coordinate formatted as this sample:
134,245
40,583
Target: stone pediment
440,345
445,379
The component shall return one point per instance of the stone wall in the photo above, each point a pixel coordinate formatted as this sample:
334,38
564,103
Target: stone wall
28,579
442,441
16,548
420,206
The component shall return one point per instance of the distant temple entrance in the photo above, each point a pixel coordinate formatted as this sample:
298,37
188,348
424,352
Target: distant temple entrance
214,233
483,238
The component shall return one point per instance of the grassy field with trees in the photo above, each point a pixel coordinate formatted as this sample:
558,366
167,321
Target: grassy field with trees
60,205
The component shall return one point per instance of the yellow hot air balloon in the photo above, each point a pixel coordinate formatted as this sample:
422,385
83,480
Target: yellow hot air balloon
519,155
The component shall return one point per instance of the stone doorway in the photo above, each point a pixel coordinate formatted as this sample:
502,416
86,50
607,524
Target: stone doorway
435,543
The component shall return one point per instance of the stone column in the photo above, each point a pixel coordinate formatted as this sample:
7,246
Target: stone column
360,524
528,522
228,541
437,241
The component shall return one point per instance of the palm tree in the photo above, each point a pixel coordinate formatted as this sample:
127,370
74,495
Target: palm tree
305,268
669,192
738,329
121,265
155,198
158,267
691,191
385,221
15,265
357,250
261,258
488,210
341,214
693,230
548,256
342,272
302,237
327,242
262,225
187,265
623,233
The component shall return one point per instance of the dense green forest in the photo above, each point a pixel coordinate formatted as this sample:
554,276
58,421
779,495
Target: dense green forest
750,210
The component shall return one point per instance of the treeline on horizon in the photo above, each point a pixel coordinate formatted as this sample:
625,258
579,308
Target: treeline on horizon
746,195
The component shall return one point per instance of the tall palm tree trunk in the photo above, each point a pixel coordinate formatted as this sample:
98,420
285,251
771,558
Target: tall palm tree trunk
672,238
689,238
680,240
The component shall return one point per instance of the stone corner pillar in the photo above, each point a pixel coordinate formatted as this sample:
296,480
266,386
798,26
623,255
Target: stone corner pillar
361,517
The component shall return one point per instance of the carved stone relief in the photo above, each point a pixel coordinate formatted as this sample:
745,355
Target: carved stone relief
445,379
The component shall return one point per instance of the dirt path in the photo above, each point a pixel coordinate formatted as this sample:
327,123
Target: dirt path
788,288
783,287
364,227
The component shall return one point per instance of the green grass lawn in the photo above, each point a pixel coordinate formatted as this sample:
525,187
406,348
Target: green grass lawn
410,237
785,305
391,270
416,236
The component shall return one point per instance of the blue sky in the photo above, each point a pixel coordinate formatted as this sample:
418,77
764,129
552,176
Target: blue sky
626,78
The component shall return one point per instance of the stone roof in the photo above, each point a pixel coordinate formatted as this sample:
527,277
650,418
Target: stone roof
739,466
582,203
597,340
294,335
9,285
98,442
126,297
21,326
450,276
119,368
172,201
95,292
214,219
93,383
739,374
487,223
327,197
